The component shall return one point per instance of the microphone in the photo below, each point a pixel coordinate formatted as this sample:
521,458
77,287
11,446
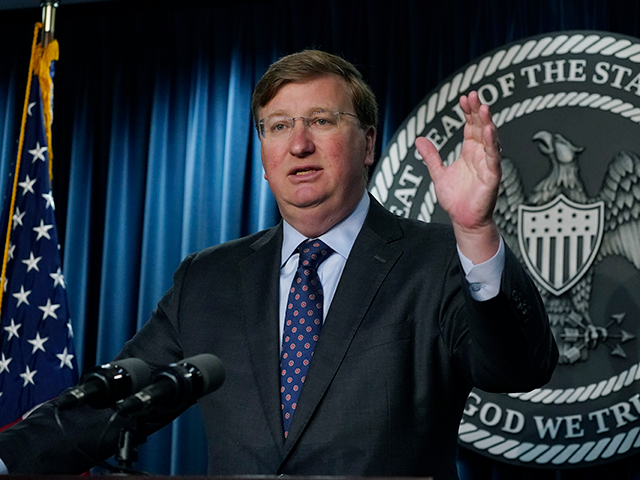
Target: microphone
177,385
102,386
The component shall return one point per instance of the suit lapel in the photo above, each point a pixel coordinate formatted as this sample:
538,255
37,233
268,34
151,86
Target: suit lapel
372,257
260,280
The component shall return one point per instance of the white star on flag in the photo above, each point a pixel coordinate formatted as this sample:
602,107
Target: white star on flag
49,310
4,363
13,330
58,278
17,218
27,185
12,248
49,199
22,296
27,376
30,107
43,230
32,263
38,153
38,343
65,359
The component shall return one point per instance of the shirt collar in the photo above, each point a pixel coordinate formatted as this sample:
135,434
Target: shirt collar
340,237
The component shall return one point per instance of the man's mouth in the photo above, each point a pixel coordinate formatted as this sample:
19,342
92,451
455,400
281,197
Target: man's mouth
305,172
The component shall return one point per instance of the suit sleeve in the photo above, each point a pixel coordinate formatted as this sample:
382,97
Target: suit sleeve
506,343
37,445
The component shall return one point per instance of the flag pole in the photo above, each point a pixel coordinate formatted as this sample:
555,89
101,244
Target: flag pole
29,211
41,58
48,20
3,279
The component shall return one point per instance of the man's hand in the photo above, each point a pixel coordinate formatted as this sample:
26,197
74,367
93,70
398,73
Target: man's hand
467,189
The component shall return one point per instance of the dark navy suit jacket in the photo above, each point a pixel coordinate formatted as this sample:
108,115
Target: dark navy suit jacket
402,345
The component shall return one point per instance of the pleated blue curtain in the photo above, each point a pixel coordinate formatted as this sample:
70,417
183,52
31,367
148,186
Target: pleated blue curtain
156,155
164,162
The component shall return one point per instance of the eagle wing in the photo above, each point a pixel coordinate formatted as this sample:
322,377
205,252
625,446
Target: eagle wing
621,195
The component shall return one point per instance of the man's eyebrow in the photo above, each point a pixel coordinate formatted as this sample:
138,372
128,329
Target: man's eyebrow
281,112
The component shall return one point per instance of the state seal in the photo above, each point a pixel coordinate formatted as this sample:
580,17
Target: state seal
567,106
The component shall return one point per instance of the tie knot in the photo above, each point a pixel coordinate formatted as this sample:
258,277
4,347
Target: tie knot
313,253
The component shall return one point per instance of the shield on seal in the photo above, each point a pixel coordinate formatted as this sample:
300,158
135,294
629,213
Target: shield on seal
559,241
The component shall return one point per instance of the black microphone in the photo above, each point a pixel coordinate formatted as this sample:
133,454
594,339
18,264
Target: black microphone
177,385
102,386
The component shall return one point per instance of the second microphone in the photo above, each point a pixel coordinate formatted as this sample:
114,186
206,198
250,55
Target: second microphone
177,386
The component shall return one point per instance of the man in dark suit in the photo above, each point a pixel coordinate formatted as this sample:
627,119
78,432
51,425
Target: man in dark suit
409,322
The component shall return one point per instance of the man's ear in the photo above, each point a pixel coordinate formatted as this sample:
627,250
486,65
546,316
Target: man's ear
370,138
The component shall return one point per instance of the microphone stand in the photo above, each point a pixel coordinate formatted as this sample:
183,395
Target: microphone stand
128,442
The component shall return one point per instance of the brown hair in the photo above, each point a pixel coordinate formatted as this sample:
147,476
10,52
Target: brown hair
308,64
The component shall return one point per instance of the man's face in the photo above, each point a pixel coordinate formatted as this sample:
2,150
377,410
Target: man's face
316,179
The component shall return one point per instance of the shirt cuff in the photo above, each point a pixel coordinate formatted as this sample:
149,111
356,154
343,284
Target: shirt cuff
483,280
3,468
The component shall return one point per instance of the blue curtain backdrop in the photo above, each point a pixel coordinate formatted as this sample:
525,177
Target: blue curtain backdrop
155,155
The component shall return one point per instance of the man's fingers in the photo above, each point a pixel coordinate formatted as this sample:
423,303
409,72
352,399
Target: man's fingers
473,102
485,114
493,148
430,155
482,128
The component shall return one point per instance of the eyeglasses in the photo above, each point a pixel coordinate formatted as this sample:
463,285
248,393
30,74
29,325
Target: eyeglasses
320,122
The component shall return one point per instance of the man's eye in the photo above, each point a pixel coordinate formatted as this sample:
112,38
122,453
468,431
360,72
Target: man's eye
324,121
279,127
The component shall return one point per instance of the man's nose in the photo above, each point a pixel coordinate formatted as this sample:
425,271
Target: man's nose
301,140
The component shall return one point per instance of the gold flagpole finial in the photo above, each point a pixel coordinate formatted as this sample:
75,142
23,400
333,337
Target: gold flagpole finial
48,20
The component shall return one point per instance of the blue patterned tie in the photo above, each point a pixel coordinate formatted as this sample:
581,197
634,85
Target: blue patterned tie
302,324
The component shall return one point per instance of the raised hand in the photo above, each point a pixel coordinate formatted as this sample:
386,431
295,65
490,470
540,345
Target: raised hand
468,188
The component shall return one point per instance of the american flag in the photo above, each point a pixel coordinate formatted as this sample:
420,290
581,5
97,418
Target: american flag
37,358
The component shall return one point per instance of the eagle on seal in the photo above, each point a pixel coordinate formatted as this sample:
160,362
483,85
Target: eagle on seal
560,196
